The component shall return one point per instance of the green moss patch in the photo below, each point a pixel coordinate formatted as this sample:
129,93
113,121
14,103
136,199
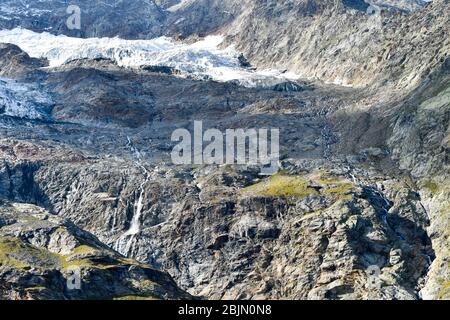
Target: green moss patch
83,250
283,185
85,256
18,254
432,186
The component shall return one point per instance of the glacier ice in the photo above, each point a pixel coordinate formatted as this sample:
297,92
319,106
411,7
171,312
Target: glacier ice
23,100
202,59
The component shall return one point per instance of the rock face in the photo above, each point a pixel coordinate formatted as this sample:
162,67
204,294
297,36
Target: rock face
226,234
40,253
148,19
143,18
343,45
358,210
16,63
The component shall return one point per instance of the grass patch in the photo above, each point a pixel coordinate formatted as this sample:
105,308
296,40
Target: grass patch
83,250
281,185
432,186
86,263
339,190
69,262
18,254
85,256
21,255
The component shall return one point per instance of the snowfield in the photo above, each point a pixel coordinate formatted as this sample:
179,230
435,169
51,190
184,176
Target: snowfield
203,59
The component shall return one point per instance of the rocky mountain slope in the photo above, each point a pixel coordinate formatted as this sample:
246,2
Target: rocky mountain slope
39,253
363,179
342,46
106,18
146,19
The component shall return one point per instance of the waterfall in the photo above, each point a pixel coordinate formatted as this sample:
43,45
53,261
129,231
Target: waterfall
129,237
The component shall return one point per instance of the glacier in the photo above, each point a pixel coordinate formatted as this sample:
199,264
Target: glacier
23,100
202,59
